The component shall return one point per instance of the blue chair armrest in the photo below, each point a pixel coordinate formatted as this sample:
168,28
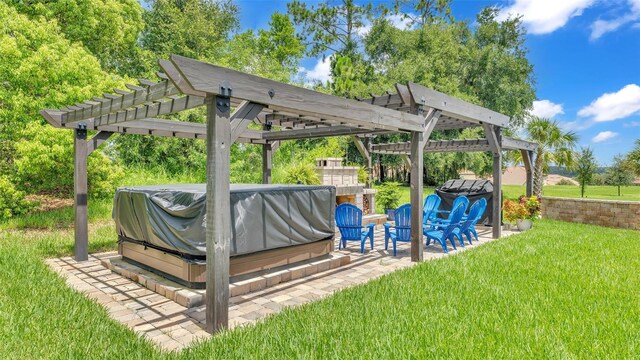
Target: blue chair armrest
387,225
371,225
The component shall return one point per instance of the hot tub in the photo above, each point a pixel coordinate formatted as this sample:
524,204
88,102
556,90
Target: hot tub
162,227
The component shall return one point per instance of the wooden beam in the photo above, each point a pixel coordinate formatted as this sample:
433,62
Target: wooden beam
454,107
80,186
518,144
361,147
97,140
242,117
527,159
52,116
218,207
417,154
316,132
492,138
275,145
404,93
174,75
204,77
431,120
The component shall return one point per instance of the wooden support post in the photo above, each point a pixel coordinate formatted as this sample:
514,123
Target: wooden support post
80,145
218,220
417,146
497,195
267,153
527,159
369,165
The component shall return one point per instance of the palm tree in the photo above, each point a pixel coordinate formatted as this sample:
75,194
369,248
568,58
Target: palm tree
554,146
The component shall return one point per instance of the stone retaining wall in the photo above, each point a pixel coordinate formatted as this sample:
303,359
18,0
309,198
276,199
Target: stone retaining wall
610,213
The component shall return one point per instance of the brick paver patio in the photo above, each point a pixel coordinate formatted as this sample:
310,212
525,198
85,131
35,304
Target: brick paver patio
173,326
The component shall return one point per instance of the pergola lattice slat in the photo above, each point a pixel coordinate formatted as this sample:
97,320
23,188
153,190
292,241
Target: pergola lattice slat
111,103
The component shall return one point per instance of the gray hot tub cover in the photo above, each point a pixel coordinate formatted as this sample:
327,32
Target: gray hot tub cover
172,217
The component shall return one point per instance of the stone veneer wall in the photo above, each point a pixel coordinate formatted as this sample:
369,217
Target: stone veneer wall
610,213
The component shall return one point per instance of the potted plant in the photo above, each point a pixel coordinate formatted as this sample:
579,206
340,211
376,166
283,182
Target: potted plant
513,212
531,207
388,196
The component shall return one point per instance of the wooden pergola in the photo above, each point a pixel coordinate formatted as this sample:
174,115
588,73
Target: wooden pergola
283,112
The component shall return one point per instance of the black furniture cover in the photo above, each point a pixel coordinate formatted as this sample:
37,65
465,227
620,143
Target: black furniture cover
472,189
172,217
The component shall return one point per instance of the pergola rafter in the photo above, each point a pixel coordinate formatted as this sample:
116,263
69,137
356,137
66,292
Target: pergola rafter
282,112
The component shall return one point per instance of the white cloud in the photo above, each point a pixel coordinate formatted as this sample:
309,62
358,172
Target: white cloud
613,106
575,125
397,20
604,136
546,109
363,30
400,21
601,27
321,71
632,124
545,16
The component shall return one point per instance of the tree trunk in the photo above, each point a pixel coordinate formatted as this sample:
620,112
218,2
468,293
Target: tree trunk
537,174
619,190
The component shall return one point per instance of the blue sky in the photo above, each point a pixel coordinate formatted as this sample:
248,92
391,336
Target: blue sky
586,55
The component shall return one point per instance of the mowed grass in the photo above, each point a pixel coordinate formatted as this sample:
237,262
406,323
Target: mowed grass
560,290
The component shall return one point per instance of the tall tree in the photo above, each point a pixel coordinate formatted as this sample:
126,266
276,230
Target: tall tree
585,168
40,69
193,28
496,69
633,158
109,29
619,174
330,26
426,10
554,146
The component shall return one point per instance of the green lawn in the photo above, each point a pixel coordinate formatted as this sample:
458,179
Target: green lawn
559,290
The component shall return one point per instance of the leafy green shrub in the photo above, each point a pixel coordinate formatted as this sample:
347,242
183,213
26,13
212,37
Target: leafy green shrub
531,205
301,173
513,211
44,164
363,175
12,201
566,182
388,195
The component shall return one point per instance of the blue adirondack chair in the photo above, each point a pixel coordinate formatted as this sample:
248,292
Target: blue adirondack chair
349,222
401,231
459,200
445,233
471,229
430,208
474,214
